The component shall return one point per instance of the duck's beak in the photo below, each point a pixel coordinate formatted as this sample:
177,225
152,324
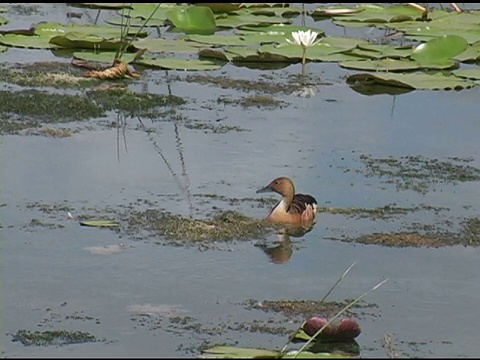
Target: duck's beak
265,189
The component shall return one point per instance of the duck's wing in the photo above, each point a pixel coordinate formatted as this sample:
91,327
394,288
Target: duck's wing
300,202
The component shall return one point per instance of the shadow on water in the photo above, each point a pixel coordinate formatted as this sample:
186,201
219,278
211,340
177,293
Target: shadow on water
281,250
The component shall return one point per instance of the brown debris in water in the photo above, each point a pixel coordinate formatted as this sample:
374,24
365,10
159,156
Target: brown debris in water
119,70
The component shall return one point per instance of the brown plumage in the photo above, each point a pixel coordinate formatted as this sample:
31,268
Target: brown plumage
293,209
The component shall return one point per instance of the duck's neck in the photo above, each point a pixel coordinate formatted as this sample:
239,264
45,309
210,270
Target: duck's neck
285,203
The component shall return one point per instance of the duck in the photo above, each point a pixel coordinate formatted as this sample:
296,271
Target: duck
294,209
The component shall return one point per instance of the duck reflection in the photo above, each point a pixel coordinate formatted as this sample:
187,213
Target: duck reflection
281,251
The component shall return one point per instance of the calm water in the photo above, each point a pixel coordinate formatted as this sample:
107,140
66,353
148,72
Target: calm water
49,275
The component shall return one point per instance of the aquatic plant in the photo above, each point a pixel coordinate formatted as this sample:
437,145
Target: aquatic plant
305,39
349,327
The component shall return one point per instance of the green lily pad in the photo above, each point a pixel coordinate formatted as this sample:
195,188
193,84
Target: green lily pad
137,22
245,19
106,6
419,81
233,352
373,14
218,54
167,45
471,54
251,39
219,8
328,49
237,352
222,40
104,56
100,223
50,29
280,29
377,51
145,10
3,21
335,10
179,64
443,47
242,55
428,32
283,11
381,65
473,74
27,41
195,18
74,40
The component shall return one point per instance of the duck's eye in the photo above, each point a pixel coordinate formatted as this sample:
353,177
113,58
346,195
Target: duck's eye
276,182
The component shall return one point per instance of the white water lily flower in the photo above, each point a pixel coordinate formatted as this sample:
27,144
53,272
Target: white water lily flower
304,38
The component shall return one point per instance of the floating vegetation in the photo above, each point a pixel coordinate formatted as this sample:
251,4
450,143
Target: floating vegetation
469,235
55,74
302,309
417,173
132,102
216,129
226,82
225,226
52,337
47,107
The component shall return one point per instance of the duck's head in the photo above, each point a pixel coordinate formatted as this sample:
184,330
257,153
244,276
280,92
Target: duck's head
281,185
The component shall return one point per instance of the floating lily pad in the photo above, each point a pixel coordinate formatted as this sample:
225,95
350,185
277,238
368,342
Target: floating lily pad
327,49
280,29
233,352
104,56
100,223
439,49
419,81
334,10
3,21
74,40
218,8
247,19
195,18
167,45
471,54
426,33
280,11
26,41
381,65
108,32
473,74
371,14
251,39
137,22
106,6
236,54
3,48
145,10
377,51
225,40
237,352
179,64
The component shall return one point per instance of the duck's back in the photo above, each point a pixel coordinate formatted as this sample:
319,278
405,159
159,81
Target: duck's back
300,203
